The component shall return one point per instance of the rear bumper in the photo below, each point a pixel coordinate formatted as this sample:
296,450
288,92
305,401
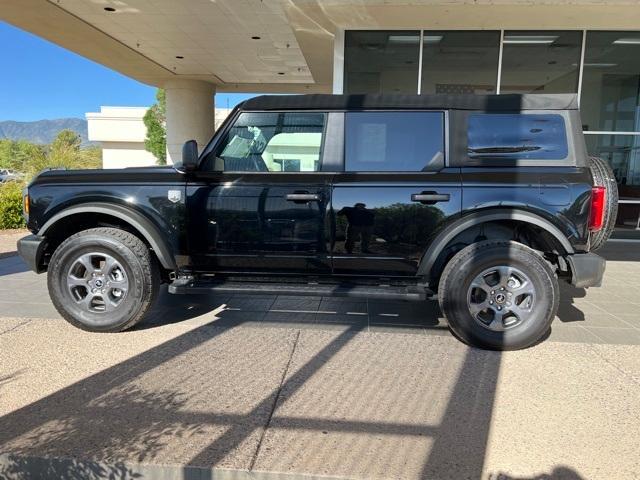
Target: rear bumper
31,249
587,269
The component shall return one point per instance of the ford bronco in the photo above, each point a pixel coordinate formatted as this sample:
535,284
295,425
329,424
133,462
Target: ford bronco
484,203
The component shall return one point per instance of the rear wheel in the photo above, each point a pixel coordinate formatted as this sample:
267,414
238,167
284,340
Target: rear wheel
603,176
499,295
103,279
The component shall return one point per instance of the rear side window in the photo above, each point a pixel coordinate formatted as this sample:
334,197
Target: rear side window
272,142
393,141
517,137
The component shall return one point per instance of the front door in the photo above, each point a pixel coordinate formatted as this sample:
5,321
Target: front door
395,193
260,202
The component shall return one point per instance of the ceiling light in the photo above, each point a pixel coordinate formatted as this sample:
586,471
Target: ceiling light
255,37
432,38
179,57
280,73
404,38
530,39
109,9
627,41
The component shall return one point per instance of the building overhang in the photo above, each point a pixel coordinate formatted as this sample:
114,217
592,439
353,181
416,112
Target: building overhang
295,48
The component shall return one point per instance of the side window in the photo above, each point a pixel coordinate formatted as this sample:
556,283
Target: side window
495,136
394,141
271,142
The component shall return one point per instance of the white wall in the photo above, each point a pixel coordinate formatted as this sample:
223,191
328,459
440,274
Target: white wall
121,133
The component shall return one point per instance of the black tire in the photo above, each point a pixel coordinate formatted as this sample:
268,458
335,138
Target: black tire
135,269
603,176
467,265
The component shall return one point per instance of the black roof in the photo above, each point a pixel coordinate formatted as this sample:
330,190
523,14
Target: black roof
508,102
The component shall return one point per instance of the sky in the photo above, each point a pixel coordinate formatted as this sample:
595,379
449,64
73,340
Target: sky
43,81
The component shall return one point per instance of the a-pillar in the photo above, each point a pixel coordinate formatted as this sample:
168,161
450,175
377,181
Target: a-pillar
190,114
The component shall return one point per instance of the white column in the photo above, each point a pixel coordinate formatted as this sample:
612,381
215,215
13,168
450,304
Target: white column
190,115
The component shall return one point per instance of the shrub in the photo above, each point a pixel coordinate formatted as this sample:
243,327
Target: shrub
11,205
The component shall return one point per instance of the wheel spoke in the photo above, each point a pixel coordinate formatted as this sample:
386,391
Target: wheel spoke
497,322
481,284
109,263
73,281
505,274
525,288
476,308
85,261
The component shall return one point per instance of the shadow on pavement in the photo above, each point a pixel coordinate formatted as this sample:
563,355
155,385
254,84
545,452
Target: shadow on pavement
112,417
11,265
558,473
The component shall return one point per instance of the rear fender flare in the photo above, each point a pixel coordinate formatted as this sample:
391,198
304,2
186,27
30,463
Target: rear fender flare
458,226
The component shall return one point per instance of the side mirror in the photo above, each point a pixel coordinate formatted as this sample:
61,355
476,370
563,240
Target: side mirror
190,155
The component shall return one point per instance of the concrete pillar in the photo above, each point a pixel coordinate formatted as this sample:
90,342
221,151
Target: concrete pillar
190,114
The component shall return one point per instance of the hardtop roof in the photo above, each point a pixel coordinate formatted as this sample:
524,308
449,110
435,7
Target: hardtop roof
505,103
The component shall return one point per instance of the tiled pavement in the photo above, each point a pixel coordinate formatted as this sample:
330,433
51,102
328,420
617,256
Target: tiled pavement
609,314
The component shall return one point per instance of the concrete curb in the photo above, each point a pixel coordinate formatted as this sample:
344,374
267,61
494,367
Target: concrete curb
20,467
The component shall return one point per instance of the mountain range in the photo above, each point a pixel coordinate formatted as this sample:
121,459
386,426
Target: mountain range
42,131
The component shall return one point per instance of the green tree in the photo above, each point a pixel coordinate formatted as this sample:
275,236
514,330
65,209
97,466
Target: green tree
155,121
67,139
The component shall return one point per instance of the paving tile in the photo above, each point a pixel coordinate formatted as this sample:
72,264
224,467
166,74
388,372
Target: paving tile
302,303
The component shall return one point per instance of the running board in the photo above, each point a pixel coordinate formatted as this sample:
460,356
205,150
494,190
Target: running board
384,292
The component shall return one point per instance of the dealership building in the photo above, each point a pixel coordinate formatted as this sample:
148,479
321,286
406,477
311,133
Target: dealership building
195,48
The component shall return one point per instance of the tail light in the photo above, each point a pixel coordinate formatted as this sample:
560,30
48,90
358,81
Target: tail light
596,219
25,204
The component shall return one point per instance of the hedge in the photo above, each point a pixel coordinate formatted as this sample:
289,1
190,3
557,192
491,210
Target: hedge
11,205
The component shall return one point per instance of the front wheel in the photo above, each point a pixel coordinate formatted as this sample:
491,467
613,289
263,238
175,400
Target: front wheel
103,279
499,295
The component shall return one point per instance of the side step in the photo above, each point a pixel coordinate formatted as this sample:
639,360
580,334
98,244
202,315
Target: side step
385,292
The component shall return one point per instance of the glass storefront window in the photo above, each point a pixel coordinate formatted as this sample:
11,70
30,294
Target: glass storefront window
455,62
540,61
623,154
381,61
611,81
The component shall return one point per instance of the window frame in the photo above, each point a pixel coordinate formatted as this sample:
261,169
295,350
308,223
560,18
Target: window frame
445,142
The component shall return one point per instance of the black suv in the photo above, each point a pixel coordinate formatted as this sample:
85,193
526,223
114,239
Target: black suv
483,202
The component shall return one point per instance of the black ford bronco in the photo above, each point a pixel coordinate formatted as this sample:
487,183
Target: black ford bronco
483,202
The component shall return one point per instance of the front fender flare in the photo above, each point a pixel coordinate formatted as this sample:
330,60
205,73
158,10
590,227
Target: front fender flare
471,220
139,222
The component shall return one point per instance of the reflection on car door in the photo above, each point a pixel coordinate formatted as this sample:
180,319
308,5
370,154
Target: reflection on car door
395,193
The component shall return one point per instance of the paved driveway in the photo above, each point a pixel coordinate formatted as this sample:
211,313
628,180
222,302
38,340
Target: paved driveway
318,387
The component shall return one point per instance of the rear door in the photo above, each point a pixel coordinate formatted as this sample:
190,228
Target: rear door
395,193
260,200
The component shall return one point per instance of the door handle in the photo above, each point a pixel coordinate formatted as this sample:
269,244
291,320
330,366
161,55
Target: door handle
430,198
303,197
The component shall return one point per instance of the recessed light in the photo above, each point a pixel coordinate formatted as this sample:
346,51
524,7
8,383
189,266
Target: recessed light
432,38
404,38
280,73
255,37
627,41
530,39
179,57
109,9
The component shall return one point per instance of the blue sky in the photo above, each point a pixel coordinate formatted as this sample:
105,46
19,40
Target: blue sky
41,80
